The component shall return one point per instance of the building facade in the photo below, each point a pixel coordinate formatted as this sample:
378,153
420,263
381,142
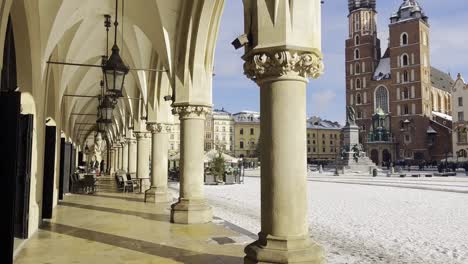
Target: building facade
401,83
222,125
246,134
323,140
174,137
460,119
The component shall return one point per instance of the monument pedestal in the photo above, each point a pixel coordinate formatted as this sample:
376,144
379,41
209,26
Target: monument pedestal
353,157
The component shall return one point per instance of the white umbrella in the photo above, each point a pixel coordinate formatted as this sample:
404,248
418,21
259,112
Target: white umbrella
210,155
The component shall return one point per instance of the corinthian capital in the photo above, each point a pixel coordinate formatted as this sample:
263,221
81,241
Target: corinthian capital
191,111
142,135
156,128
285,63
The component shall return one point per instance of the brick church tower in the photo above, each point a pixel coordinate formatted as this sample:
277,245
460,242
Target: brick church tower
362,58
393,94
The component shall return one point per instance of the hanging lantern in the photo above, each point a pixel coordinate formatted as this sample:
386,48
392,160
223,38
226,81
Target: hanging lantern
114,68
105,110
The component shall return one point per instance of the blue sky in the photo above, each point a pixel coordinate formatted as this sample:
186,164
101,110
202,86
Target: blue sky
326,96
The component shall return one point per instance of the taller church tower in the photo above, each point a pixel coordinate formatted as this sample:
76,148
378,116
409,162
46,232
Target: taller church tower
362,57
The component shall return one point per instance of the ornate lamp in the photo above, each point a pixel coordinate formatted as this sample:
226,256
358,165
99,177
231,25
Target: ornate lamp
106,109
114,68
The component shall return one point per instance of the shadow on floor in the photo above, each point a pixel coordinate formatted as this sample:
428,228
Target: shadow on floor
149,216
177,254
120,197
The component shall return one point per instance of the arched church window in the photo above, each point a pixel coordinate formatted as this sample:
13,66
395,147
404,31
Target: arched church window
404,60
358,83
357,54
404,39
406,109
358,68
405,76
381,98
358,98
357,40
405,93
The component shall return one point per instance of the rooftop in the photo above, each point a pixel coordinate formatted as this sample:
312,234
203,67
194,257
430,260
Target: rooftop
318,123
441,80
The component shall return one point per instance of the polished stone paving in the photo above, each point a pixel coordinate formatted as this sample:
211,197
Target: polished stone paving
119,228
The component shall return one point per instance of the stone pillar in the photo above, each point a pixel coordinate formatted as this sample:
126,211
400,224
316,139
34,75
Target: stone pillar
191,207
125,155
132,155
143,154
282,55
284,235
159,161
112,160
119,156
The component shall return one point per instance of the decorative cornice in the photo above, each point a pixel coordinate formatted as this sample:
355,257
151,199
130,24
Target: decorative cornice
285,63
157,128
142,135
191,111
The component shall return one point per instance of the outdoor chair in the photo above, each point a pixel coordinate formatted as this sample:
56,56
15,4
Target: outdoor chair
89,183
130,183
120,182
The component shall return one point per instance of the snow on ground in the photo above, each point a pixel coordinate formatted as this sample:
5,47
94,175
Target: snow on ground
359,222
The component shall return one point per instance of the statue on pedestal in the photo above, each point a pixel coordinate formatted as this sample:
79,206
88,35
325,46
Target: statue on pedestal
350,116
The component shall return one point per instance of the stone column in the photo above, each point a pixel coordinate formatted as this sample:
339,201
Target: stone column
119,156
112,161
125,155
159,161
132,155
143,154
192,207
282,78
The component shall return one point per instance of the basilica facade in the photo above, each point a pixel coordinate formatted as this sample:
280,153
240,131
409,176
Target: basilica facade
402,103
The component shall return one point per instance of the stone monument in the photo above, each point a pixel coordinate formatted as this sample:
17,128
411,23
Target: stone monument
353,157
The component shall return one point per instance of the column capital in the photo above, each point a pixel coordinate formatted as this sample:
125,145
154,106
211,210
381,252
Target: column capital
191,111
157,128
286,63
142,135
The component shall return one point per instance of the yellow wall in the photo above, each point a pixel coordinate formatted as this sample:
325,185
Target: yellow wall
320,139
247,138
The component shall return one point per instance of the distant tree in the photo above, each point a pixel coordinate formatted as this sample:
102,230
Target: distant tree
218,167
258,147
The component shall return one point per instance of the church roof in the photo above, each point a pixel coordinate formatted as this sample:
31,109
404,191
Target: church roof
441,80
382,72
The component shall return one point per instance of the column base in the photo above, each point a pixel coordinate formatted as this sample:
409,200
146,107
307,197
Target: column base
191,212
270,249
160,195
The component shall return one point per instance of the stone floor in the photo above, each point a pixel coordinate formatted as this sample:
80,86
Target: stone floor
110,227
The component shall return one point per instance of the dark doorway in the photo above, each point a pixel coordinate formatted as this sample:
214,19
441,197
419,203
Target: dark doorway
9,118
65,160
386,156
49,172
375,156
10,105
23,177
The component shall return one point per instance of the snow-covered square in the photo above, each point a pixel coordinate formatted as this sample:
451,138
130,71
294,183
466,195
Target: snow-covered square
361,219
